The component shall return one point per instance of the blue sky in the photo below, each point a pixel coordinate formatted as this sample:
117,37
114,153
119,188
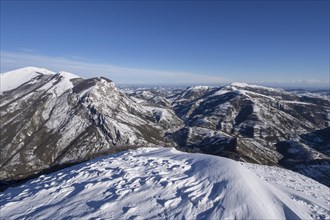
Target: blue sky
187,42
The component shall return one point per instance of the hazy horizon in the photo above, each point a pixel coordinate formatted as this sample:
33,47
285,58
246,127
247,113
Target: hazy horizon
283,85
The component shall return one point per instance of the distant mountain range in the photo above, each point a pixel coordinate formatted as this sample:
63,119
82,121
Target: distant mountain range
54,119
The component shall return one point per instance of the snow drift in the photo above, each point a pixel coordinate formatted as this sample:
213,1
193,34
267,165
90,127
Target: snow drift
166,183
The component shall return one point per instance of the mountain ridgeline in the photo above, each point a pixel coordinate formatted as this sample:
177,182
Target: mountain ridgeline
59,118
53,119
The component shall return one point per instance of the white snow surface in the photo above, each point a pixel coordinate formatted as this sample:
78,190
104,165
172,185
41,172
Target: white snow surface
220,92
199,87
62,86
68,75
245,85
13,79
163,183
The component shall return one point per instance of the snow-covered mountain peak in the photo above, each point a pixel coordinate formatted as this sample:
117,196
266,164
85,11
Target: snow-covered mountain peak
191,93
195,89
54,83
241,85
12,79
29,69
102,81
198,88
58,112
100,87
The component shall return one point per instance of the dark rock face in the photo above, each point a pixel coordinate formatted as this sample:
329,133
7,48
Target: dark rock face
203,141
318,140
309,155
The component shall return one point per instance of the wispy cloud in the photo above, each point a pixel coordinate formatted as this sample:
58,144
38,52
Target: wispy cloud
83,67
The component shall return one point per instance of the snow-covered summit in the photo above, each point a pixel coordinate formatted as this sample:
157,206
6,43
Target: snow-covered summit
28,69
12,79
191,93
163,183
65,118
247,86
198,88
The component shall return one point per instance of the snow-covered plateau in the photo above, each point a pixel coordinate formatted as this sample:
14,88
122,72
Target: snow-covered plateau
163,183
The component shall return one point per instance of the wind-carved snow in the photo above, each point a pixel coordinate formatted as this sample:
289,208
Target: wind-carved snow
13,79
164,183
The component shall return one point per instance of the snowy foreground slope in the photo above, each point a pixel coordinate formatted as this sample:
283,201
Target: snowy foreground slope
166,183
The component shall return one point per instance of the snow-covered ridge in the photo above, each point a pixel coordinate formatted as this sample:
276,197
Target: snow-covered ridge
245,85
58,85
199,88
164,183
13,79
68,75
68,120
191,92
